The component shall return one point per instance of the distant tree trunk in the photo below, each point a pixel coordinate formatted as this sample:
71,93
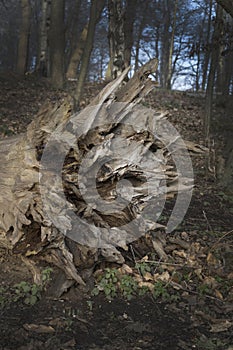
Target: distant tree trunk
228,73
95,4
24,37
73,17
130,12
167,44
77,54
227,56
116,39
139,33
42,56
220,63
171,48
157,40
226,176
57,43
207,45
197,77
212,73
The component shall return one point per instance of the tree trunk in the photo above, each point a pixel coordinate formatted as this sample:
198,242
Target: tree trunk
78,52
139,34
213,68
24,37
165,50
207,50
130,12
228,61
77,55
95,4
57,43
45,211
42,56
171,48
116,39
228,73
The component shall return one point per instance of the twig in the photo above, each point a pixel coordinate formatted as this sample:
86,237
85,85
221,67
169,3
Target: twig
208,223
166,263
223,236
134,259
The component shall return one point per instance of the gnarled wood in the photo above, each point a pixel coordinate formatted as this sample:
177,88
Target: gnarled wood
25,225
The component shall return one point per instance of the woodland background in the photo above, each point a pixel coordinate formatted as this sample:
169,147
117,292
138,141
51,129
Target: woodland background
95,40
162,291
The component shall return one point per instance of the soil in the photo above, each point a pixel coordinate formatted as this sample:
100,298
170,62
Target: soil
196,309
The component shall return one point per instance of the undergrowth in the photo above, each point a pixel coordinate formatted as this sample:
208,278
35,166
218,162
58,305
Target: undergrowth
28,293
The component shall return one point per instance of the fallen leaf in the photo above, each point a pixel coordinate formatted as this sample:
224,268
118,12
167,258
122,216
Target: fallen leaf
149,285
221,326
180,253
125,269
148,276
218,294
69,344
210,282
211,260
38,328
165,276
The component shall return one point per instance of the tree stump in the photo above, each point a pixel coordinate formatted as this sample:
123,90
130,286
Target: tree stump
41,172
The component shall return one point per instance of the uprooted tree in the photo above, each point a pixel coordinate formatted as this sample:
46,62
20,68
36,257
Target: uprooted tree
46,209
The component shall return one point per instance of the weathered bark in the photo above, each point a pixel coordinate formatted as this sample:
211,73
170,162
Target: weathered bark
35,217
57,43
24,37
96,9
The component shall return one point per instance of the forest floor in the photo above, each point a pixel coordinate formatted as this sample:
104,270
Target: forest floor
191,306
